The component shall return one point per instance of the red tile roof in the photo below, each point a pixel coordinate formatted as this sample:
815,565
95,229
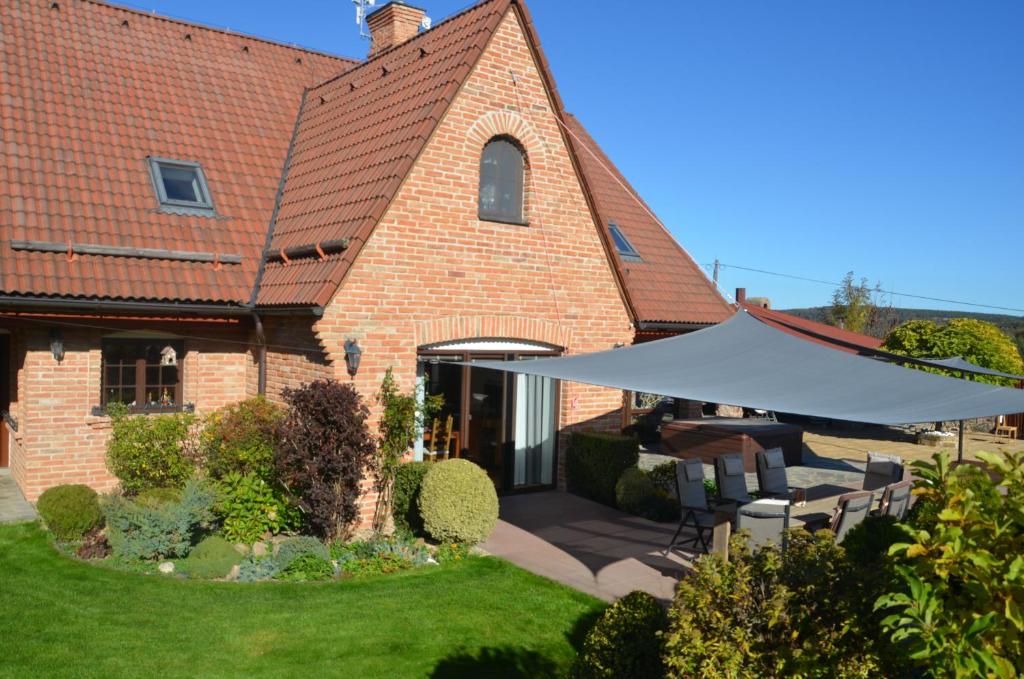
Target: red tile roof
827,335
358,136
667,286
87,92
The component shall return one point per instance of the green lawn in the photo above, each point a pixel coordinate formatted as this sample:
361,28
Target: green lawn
480,618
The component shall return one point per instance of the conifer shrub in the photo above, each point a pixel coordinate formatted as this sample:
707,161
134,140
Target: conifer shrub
213,557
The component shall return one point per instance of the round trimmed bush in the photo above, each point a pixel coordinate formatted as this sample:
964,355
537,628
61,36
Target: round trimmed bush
458,502
292,548
70,511
634,490
214,557
624,643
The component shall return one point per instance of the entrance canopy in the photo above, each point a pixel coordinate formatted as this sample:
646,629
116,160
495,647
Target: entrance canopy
747,363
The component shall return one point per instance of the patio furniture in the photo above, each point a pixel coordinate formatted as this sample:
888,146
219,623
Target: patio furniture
772,481
850,510
896,500
766,520
1006,430
693,504
731,479
882,470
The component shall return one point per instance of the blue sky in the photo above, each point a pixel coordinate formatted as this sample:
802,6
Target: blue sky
798,136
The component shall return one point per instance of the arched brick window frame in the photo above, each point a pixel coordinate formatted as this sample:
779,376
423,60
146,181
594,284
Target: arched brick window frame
509,126
509,327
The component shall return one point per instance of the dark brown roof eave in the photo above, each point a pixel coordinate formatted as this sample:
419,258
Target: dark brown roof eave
89,306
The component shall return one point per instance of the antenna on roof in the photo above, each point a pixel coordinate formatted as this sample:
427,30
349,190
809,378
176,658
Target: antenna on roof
361,6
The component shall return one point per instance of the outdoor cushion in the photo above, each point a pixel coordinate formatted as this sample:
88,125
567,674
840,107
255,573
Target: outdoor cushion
733,465
766,520
774,458
693,470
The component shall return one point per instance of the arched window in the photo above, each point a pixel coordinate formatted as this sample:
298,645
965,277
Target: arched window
501,182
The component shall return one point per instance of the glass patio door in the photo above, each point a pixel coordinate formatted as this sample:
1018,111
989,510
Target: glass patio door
534,431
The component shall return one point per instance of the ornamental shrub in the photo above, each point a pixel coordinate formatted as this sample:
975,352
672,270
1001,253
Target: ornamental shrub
150,451
960,611
626,642
405,500
637,494
70,511
595,461
772,613
253,569
240,438
325,450
250,507
458,502
213,557
300,545
155,497
306,568
663,476
141,532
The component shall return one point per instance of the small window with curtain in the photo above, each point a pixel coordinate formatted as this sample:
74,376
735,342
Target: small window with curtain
622,244
143,374
501,182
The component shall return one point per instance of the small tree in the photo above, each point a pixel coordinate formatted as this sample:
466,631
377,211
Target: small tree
151,451
979,342
324,451
856,307
401,420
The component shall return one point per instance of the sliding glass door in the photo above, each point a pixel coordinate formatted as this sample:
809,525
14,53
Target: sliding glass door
505,423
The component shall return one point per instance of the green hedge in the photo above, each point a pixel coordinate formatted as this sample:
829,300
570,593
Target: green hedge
625,641
595,461
406,496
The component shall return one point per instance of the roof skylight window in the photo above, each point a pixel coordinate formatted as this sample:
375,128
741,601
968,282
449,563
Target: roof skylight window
622,244
180,184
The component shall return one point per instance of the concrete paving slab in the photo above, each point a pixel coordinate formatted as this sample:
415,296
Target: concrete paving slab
13,506
585,545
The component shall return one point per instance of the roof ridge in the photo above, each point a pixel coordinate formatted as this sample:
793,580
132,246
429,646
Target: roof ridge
138,11
371,60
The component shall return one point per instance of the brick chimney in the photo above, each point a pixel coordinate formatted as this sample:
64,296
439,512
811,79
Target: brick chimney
741,295
391,25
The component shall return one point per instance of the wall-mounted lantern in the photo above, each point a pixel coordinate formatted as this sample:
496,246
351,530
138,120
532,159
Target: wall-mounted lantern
57,344
353,354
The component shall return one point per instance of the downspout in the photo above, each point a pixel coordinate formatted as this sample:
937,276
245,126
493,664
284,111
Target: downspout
261,355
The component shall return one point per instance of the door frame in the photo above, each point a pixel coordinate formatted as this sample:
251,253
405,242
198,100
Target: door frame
508,407
5,398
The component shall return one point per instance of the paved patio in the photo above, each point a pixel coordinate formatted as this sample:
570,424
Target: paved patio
586,545
13,506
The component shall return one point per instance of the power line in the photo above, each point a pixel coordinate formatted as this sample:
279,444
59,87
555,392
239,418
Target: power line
887,292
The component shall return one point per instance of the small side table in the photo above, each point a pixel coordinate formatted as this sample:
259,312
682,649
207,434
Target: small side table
1007,431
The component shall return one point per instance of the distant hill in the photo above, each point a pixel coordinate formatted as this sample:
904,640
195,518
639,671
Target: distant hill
1012,325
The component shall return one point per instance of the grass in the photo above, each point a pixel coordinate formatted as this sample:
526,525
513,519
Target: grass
482,617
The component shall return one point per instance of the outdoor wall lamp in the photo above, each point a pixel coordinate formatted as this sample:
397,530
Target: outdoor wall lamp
57,344
353,354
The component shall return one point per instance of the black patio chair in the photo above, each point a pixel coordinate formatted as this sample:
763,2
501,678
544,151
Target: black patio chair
730,477
772,480
896,500
882,470
693,503
766,521
850,510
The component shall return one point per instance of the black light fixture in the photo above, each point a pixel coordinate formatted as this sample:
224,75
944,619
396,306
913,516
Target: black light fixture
57,344
353,354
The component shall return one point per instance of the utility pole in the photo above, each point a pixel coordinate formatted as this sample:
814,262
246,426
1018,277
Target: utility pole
718,266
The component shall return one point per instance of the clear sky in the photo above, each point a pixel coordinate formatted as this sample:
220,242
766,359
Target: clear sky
798,136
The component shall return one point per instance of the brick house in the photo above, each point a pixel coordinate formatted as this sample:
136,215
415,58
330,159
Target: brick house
190,216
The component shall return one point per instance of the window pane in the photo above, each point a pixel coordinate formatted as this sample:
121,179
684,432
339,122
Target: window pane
181,183
128,375
501,181
623,246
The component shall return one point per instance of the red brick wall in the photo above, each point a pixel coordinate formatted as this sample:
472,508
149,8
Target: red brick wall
433,271
294,355
60,441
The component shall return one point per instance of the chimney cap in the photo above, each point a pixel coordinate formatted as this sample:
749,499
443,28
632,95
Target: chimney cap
395,3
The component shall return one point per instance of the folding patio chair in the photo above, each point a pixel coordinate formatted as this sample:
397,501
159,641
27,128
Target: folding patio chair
766,520
850,510
772,481
693,503
882,470
896,500
731,478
